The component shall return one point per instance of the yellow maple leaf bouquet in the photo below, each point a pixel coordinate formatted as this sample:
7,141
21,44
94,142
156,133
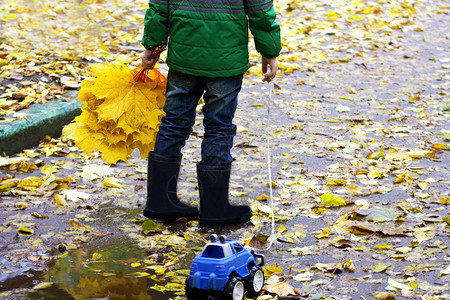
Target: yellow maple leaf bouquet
122,111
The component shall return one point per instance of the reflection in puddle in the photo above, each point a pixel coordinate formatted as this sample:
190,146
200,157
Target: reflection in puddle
108,268
111,287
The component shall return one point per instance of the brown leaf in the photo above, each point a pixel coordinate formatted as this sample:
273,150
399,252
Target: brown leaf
281,289
369,228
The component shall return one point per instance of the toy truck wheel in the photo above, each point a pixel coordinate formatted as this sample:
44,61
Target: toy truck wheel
255,282
235,289
191,294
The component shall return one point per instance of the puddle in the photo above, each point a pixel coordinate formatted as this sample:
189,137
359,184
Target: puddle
101,269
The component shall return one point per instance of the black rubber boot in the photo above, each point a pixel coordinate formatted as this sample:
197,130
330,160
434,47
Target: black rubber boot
215,209
162,200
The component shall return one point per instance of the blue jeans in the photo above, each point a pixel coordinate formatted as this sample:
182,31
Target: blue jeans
182,95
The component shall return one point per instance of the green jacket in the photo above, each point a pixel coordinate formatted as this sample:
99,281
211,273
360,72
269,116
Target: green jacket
210,37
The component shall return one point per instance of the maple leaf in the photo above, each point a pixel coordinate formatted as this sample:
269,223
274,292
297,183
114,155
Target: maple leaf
281,289
120,113
124,96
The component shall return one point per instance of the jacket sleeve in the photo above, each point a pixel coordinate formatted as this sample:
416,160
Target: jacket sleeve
156,29
265,30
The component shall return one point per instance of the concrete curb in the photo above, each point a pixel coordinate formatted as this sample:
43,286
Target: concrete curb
42,120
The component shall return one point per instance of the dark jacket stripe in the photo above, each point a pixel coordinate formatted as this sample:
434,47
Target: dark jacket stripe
258,8
208,9
160,2
209,2
257,2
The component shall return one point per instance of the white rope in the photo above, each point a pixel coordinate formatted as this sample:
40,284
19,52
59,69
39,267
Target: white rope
269,163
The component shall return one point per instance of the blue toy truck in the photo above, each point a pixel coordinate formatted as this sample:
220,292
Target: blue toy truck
225,269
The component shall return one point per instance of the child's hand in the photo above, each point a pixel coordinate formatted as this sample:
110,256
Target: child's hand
147,61
273,66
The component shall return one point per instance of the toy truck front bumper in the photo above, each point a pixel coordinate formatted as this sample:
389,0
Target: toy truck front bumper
208,281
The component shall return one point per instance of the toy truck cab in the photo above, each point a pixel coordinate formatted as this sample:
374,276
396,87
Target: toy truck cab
227,269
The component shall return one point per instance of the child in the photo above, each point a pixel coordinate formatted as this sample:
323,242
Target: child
207,56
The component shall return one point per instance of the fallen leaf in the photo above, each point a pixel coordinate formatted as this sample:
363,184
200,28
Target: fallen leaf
441,146
281,289
150,226
384,295
21,205
47,170
74,195
60,200
399,286
380,268
25,230
305,276
43,285
337,182
382,215
112,182
445,271
329,200
272,270
96,256
444,200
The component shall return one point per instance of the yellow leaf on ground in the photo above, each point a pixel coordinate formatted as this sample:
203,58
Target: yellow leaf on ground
8,184
47,170
384,295
398,285
378,154
337,182
329,199
96,256
158,288
325,233
21,205
282,229
262,197
356,17
30,183
349,265
160,271
405,177
172,286
59,200
441,146
396,155
444,200
375,173
7,161
25,230
380,268
111,182
10,17
43,285
272,270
